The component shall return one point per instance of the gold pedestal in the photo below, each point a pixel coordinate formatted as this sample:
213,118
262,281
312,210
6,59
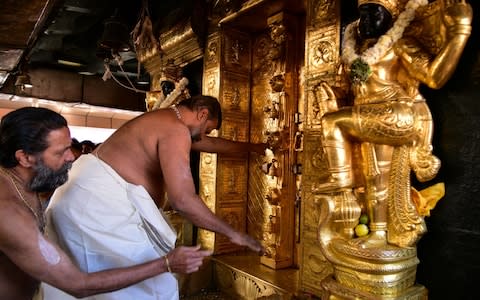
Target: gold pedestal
382,271
336,291
244,277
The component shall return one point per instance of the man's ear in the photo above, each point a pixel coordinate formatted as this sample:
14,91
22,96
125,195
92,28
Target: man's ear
24,159
202,113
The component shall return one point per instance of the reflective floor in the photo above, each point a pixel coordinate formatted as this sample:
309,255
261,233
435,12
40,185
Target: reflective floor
207,295
240,276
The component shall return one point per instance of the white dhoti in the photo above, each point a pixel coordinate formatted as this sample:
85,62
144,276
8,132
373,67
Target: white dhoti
104,222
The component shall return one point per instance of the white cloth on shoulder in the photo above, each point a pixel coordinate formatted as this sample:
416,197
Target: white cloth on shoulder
104,222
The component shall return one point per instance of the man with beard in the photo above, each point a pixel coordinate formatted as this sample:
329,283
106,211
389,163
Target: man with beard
35,157
107,213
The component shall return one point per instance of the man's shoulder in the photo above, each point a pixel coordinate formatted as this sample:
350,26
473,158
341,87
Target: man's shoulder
8,193
163,123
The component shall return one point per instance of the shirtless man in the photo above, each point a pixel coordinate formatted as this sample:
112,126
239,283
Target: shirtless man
106,215
35,157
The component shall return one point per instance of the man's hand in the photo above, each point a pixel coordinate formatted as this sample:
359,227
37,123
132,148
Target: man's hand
243,239
186,259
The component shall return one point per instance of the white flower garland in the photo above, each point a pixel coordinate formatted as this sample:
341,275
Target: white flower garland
373,54
172,97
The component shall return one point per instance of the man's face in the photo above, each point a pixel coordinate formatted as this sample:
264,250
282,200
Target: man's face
206,126
47,179
52,165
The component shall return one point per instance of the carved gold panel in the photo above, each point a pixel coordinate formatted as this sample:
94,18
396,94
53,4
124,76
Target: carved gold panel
226,76
211,82
208,165
322,59
323,53
317,100
212,52
235,93
235,129
315,266
235,217
208,161
316,165
257,208
240,285
320,12
310,212
232,177
208,170
263,50
236,51
313,168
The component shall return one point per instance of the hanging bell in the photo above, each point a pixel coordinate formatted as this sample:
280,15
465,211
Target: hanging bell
115,35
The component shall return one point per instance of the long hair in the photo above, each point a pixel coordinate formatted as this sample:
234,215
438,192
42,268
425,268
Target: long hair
210,103
26,129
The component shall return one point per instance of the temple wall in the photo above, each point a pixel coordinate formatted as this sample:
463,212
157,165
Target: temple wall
271,198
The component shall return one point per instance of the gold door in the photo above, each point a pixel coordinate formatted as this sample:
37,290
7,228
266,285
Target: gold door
254,73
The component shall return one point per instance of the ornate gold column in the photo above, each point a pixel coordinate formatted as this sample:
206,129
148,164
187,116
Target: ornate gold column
255,76
272,190
223,178
321,64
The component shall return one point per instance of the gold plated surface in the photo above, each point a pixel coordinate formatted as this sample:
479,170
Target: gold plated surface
243,277
226,77
339,149
208,193
273,186
369,150
322,30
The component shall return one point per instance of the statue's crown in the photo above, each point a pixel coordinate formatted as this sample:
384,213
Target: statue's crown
393,6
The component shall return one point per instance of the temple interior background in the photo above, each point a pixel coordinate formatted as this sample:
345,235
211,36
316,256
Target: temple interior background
224,49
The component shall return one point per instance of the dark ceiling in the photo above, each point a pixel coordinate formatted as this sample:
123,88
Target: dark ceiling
68,34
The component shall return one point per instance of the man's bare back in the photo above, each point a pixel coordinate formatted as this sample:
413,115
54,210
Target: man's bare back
142,139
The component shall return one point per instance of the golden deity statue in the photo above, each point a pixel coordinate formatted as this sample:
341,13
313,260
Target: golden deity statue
372,146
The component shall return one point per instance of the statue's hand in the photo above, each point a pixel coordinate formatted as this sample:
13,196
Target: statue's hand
456,12
326,98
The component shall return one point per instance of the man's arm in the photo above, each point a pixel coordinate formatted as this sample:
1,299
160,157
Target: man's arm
221,145
28,249
175,162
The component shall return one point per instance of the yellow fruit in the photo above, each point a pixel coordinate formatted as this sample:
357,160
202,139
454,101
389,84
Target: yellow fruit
364,219
361,230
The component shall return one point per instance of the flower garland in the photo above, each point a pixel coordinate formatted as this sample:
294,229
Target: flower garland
360,64
172,97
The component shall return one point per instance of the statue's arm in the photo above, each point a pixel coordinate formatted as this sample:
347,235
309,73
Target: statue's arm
457,17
